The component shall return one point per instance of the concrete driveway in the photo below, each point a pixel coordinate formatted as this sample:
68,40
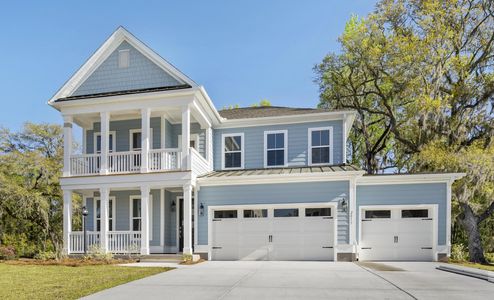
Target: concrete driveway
303,280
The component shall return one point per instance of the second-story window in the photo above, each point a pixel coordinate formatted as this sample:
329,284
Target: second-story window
320,146
233,151
97,144
275,148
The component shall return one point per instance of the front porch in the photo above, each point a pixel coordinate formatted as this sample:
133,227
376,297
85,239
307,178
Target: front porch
143,220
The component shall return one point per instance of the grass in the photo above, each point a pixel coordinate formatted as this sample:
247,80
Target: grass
477,266
64,282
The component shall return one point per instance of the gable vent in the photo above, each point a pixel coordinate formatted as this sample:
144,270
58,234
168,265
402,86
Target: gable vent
123,58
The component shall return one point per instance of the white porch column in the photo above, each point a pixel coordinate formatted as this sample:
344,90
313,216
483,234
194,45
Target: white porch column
187,219
67,220
448,217
67,144
185,137
209,145
104,198
105,137
145,138
145,220
352,208
196,214
163,132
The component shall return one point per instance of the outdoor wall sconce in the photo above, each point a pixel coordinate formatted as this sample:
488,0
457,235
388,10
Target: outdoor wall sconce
344,204
173,206
201,209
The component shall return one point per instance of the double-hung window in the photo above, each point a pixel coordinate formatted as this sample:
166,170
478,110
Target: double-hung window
110,214
320,146
135,216
233,151
275,148
97,142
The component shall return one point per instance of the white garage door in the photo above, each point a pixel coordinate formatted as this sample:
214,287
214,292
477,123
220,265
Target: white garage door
396,234
274,233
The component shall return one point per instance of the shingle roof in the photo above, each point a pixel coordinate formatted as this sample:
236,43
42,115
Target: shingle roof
278,171
126,92
266,111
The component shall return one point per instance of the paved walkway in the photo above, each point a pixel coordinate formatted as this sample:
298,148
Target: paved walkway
303,280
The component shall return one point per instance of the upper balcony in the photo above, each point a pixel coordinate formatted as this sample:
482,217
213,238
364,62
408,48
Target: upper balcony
146,140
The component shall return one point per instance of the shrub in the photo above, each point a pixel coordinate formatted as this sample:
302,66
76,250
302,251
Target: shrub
458,252
22,245
96,252
490,257
46,255
187,258
7,252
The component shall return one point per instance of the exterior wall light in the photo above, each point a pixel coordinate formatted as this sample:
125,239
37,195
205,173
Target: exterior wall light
173,206
201,209
84,212
344,204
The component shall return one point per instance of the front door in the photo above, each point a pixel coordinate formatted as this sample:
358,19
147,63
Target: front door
181,224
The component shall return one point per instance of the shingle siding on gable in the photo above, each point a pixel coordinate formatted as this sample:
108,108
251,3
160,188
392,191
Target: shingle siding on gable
297,143
142,73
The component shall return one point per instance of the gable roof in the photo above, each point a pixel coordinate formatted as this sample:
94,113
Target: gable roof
121,35
267,111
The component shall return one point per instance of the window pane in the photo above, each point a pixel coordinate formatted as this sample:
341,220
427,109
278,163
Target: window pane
276,158
318,212
98,143
325,137
110,225
255,213
286,212
271,141
377,214
110,210
98,225
280,140
415,213
233,160
136,140
136,208
136,225
225,214
110,142
320,155
98,209
233,143
316,138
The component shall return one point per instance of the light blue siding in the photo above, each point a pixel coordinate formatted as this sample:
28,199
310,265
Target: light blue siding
297,143
310,192
141,73
406,194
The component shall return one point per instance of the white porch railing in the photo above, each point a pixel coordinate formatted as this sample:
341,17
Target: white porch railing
125,162
76,241
164,159
124,241
85,164
199,165
118,241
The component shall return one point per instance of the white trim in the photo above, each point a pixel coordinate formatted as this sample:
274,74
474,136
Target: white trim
150,209
195,199
114,141
448,218
285,148
408,178
193,137
162,219
131,138
114,215
345,134
334,214
177,222
105,50
435,221
242,150
309,145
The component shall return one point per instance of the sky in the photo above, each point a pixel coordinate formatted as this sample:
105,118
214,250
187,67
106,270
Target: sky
240,51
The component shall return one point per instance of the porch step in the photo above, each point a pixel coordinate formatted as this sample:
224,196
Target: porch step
161,258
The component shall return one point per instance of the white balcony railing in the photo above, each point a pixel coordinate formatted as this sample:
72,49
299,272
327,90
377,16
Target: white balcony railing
76,241
118,241
125,162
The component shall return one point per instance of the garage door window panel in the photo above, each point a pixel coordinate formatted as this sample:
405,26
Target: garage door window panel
318,212
225,214
414,213
286,212
377,214
255,213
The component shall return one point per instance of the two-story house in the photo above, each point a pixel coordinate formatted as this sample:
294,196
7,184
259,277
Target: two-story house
163,171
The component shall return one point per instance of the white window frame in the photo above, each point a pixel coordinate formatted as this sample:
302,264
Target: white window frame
95,211
309,148
131,213
285,148
193,137
131,138
242,150
114,141
123,63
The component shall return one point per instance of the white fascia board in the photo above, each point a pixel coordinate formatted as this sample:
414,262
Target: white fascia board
155,180
208,105
278,178
409,178
120,35
290,119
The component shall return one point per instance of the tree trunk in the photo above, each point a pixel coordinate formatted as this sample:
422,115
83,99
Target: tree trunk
471,223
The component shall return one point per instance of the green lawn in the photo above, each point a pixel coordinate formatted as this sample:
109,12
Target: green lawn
62,282
477,266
